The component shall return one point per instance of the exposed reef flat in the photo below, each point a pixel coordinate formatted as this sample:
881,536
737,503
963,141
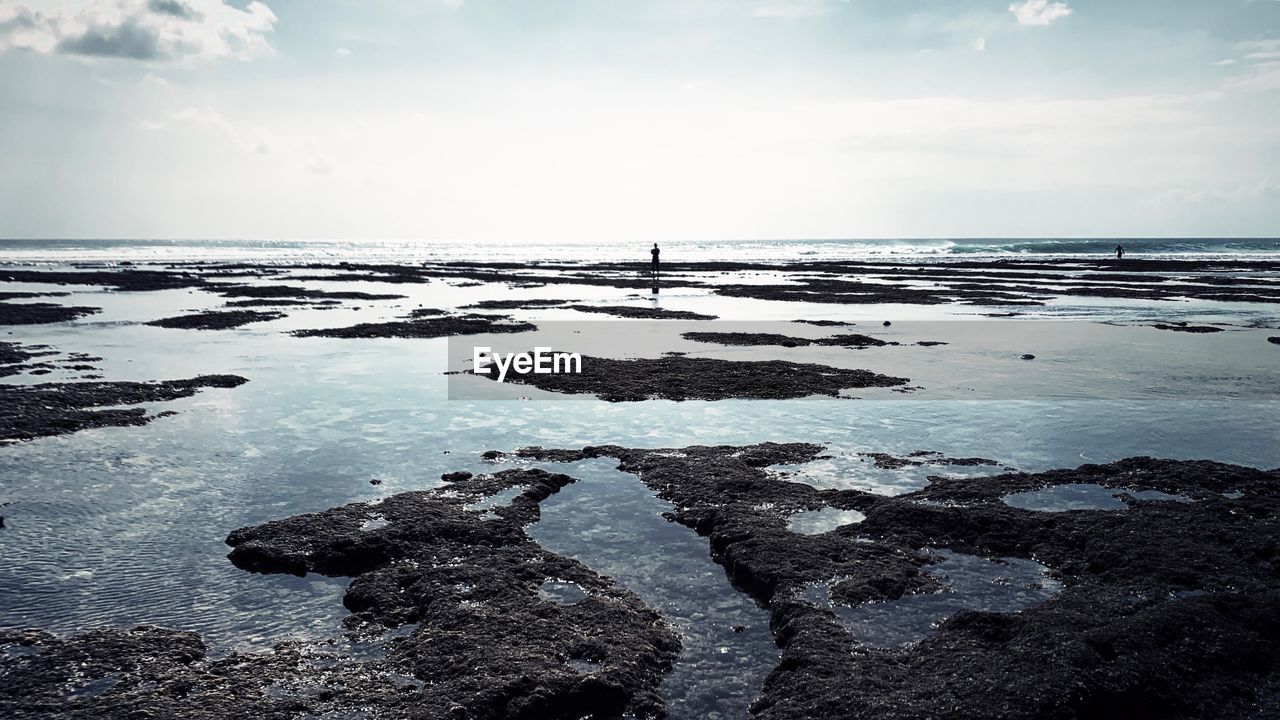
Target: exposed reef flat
425,323
1184,327
1158,609
150,673
276,292
487,642
216,319
16,358
42,313
32,411
1009,282
645,313
851,340
1167,609
527,304
676,377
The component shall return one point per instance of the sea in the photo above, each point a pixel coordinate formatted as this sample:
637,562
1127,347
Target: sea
521,250
119,527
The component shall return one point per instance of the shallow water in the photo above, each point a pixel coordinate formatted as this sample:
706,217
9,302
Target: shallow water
124,526
815,522
611,522
972,583
1083,496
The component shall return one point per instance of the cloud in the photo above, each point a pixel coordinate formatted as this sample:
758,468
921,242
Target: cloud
791,9
1039,12
979,45
254,141
320,166
342,52
1257,64
1264,188
148,30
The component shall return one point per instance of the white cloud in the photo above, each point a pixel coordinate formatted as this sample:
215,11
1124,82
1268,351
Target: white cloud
1265,187
979,45
148,30
253,141
1258,64
342,52
320,166
792,8
1039,12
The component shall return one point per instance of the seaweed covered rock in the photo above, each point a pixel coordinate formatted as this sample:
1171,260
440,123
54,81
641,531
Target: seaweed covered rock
457,562
1164,609
32,411
676,377
217,319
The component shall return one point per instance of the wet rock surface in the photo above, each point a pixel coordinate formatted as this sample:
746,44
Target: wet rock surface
425,324
151,673
16,358
885,461
1166,610
1274,340
1184,327
852,340
216,319
527,304
646,313
276,292
32,411
488,643
675,377
42,313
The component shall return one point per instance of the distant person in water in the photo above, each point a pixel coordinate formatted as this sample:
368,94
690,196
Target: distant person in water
1119,253
654,252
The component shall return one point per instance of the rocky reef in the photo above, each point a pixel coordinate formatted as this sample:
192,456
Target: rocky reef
32,411
676,377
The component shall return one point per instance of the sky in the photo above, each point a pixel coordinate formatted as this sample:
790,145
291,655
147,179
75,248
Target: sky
544,120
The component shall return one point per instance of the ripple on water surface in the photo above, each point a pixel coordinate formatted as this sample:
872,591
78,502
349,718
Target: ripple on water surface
816,522
612,523
1083,496
972,583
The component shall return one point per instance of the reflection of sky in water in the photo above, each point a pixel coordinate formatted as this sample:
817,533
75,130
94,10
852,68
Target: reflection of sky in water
565,593
847,470
1082,496
972,583
612,523
814,522
123,526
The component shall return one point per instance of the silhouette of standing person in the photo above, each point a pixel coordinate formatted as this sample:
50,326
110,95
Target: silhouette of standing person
1119,254
654,252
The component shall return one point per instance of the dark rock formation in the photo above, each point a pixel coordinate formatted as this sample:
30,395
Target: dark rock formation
149,673
1183,327
1168,610
1274,340
296,293
486,643
527,304
32,411
41,313
646,313
216,319
689,378
885,461
422,324
282,302
852,340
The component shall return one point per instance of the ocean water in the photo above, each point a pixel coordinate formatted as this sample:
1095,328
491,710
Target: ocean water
161,250
122,526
